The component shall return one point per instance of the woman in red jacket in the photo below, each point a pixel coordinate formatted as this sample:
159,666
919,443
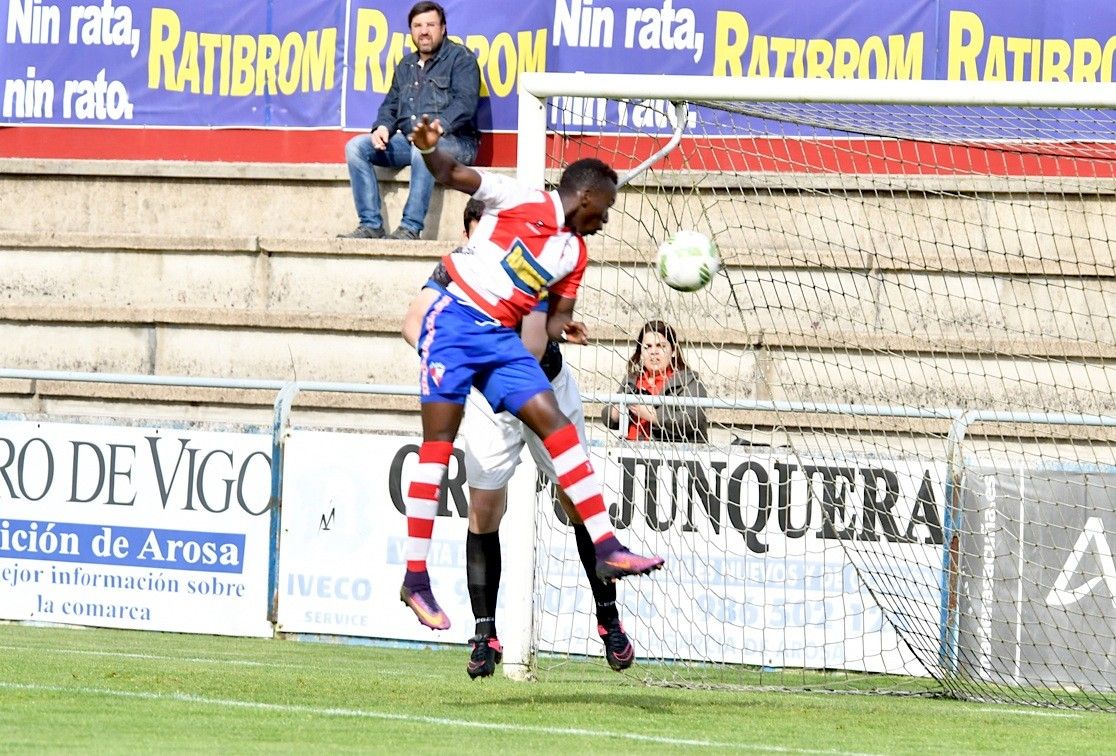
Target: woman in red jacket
657,368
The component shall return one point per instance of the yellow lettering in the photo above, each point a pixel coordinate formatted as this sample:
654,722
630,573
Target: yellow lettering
1107,58
502,60
730,44
504,47
1055,60
1020,48
290,63
226,64
1086,59
523,269
209,44
798,62
267,63
819,58
188,72
759,64
904,61
782,47
366,55
873,48
243,51
164,34
995,64
478,43
318,63
845,56
966,40
532,57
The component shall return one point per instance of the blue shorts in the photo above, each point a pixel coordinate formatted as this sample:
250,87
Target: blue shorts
461,347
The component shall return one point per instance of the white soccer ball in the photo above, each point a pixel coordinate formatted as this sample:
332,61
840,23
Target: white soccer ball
688,260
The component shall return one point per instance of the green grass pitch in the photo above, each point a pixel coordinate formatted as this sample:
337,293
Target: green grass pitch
111,691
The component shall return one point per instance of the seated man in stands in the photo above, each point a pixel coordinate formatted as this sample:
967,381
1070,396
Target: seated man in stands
657,368
440,79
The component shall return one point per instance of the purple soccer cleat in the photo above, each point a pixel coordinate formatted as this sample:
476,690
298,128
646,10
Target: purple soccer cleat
417,595
621,563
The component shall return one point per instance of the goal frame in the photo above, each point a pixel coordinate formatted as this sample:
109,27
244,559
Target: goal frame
536,88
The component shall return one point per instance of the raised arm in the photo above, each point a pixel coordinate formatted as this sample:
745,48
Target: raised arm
442,165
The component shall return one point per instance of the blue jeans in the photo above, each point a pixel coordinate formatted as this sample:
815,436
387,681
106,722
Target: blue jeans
362,156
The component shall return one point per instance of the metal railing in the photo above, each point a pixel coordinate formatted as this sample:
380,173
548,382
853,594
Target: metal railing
288,391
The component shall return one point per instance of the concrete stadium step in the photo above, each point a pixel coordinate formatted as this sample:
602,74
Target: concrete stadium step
320,308
908,217
291,283
227,199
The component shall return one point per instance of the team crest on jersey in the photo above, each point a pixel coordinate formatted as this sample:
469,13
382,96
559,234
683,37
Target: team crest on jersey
436,371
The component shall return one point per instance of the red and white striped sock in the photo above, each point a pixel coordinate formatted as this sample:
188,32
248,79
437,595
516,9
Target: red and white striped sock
577,479
422,500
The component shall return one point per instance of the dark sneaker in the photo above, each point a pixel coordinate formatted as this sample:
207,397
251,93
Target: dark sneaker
403,234
622,563
487,653
618,647
363,232
421,601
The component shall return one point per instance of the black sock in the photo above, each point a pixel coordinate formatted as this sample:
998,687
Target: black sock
482,569
604,594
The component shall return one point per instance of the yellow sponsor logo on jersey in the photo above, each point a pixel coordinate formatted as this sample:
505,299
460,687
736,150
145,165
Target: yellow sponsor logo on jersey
524,270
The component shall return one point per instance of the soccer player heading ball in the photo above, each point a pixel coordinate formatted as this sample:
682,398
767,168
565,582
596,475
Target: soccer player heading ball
528,240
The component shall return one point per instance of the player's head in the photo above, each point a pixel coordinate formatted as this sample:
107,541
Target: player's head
427,22
474,209
656,349
588,190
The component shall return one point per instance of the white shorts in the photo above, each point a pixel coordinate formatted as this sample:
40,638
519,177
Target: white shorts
493,442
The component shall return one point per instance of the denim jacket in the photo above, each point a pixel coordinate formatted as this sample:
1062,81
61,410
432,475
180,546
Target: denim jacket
446,87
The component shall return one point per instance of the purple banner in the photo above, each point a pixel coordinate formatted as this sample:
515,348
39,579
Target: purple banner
327,64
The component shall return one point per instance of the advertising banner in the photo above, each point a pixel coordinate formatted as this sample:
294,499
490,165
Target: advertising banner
326,64
1038,591
137,528
755,575
343,537
160,63
758,569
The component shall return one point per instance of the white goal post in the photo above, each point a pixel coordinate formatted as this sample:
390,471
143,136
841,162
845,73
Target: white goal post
535,88
911,465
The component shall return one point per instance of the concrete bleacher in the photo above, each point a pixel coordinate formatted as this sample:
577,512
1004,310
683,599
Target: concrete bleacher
226,270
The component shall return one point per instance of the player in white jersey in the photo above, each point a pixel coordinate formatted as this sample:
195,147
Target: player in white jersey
533,242
493,443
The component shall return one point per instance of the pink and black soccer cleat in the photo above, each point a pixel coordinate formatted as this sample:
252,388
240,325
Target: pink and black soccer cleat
622,563
618,647
487,653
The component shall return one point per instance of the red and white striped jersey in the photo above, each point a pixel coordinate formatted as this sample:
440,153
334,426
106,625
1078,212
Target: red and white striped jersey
520,247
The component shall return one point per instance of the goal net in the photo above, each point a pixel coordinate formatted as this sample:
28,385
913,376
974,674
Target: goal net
909,482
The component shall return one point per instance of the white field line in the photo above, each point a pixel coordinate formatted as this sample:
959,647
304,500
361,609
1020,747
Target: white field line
1036,712
390,716
153,657
190,659
1028,712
